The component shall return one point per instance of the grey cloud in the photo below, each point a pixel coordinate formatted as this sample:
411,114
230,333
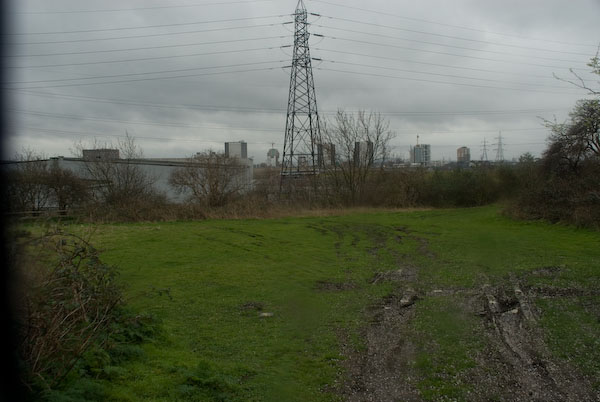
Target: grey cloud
553,21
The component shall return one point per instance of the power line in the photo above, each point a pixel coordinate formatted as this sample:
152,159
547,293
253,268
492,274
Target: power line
147,58
443,53
141,8
423,131
141,36
456,26
144,73
437,64
442,82
147,47
277,111
145,123
149,26
151,79
475,131
445,45
43,130
155,105
443,75
444,36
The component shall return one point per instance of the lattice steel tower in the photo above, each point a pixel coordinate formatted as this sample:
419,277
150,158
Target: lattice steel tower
484,155
302,130
500,149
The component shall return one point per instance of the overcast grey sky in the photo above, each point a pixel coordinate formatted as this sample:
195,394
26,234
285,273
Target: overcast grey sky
182,76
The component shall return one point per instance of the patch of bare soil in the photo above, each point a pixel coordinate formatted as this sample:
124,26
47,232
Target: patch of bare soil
516,365
406,274
382,370
252,306
328,286
423,248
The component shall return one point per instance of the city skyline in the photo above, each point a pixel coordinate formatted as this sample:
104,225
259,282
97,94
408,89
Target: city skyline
186,77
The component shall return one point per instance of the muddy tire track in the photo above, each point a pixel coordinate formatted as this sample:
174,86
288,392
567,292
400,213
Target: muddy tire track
518,365
383,370
514,364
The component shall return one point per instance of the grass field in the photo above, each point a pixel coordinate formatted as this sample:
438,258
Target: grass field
436,305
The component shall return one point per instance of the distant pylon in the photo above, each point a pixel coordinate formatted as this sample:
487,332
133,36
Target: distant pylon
484,155
302,129
499,148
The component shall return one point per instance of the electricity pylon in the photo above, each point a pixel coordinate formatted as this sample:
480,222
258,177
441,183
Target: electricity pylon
302,129
499,148
484,155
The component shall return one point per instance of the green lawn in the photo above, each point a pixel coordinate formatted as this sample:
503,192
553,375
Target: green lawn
208,281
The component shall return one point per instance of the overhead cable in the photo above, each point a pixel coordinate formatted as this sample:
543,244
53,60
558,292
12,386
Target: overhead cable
145,73
45,12
530,56
221,108
145,58
149,79
57,131
145,123
444,82
456,26
404,60
145,48
444,75
148,26
447,54
141,36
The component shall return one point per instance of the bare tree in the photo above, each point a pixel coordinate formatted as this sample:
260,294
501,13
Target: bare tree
68,300
210,178
117,180
576,140
68,189
360,146
35,184
566,186
27,185
579,82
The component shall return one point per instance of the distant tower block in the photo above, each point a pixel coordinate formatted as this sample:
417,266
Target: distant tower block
302,129
420,153
326,152
363,153
463,155
236,150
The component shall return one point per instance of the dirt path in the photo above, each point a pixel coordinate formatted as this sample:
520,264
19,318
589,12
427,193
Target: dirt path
383,372
514,365
518,364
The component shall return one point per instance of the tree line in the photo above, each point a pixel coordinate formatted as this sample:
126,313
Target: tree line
563,185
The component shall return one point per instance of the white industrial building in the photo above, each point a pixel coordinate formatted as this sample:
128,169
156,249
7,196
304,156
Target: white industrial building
158,169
